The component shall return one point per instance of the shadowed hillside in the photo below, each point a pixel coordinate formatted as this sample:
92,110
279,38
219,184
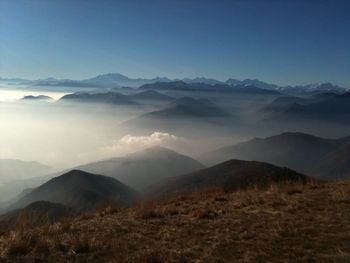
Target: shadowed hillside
230,175
37,213
298,151
284,223
79,190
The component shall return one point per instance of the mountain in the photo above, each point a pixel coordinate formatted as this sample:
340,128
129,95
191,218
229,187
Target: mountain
151,95
188,107
203,80
230,175
173,85
37,98
298,151
281,104
285,103
252,82
291,90
34,214
335,164
197,86
253,90
13,79
312,89
298,223
114,98
111,80
325,107
110,77
181,113
11,170
64,83
144,168
116,79
79,190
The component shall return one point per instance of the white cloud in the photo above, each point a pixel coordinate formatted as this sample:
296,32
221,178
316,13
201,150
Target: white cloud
130,143
156,138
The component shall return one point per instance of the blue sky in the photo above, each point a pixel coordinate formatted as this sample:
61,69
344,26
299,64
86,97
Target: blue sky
279,41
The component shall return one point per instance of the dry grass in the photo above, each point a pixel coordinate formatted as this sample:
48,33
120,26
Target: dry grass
284,223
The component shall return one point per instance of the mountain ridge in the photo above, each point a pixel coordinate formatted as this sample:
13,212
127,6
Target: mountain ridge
117,79
299,151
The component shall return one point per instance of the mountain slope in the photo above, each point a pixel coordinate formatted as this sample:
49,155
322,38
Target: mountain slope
283,224
79,190
40,212
298,151
230,175
335,165
144,168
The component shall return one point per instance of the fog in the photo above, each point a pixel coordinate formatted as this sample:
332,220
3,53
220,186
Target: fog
59,136
65,135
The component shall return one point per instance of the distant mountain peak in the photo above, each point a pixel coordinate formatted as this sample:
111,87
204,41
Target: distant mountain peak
109,77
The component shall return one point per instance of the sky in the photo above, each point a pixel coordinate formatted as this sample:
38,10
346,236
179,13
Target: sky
287,42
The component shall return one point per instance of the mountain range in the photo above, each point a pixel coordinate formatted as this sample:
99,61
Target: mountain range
319,157
325,106
118,80
78,191
181,113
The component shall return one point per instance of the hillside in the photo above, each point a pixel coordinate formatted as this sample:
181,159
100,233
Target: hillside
36,213
298,151
335,164
230,175
286,223
144,168
79,190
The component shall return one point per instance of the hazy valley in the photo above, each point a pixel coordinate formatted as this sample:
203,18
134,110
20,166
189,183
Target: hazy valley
106,147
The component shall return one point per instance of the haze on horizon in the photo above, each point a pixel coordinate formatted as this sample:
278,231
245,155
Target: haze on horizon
282,42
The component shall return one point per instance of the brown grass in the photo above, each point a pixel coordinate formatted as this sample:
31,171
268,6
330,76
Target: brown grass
284,223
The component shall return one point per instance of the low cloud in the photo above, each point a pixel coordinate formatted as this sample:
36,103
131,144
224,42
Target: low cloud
156,138
130,143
